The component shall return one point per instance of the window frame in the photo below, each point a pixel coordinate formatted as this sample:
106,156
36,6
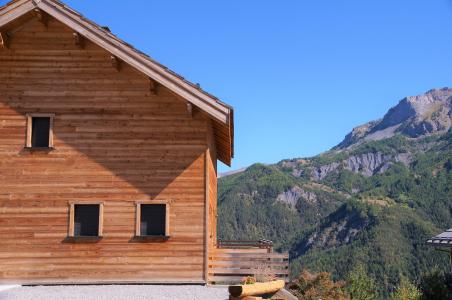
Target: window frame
71,229
138,219
30,126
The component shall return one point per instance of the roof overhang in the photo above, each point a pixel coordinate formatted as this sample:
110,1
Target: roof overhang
220,113
443,240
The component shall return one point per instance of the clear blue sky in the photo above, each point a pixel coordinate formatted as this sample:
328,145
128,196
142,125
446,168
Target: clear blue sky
300,74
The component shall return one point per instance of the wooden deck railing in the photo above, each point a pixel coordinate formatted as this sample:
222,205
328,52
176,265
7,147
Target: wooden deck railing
261,244
231,261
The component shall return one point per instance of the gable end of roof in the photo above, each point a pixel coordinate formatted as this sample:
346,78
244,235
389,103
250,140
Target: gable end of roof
220,112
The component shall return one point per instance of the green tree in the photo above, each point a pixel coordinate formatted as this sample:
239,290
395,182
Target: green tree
433,286
360,285
406,291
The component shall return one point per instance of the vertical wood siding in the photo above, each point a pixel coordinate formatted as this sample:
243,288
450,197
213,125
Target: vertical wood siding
116,142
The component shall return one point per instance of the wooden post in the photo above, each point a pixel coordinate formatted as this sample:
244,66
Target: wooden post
206,216
256,289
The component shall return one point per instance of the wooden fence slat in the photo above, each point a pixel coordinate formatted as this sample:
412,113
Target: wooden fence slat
231,265
250,255
234,264
245,271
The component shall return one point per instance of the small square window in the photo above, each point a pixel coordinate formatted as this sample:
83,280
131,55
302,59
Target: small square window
152,220
86,220
40,131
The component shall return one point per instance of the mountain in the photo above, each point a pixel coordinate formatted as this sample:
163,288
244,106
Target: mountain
413,117
373,199
231,172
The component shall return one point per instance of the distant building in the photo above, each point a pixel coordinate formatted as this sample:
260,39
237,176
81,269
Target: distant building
442,241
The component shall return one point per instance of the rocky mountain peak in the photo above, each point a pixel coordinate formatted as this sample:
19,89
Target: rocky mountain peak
413,116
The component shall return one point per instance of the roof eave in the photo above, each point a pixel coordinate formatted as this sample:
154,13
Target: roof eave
216,109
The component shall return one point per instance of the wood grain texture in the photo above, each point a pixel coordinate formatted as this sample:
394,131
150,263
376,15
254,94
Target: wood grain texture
229,266
256,289
211,199
163,76
115,142
212,187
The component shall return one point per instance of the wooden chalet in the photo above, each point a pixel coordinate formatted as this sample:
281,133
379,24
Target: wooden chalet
442,242
108,160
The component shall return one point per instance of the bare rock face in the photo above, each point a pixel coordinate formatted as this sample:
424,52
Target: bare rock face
321,172
357,134
369,164
366,164
292,196
413,116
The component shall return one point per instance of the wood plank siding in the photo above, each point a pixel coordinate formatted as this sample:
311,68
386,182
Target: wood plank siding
115,141
212,189
229,266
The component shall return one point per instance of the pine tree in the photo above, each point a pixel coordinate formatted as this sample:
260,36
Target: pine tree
360,285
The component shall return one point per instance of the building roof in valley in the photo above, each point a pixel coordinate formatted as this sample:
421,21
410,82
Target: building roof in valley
221,114
442,240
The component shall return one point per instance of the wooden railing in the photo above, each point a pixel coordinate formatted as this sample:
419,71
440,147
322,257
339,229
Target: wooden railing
231,261
261,244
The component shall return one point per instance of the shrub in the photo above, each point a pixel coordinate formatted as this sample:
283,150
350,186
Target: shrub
360,285
248,280
406,291
319,286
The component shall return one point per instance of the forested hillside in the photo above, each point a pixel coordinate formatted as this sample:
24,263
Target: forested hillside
372,200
